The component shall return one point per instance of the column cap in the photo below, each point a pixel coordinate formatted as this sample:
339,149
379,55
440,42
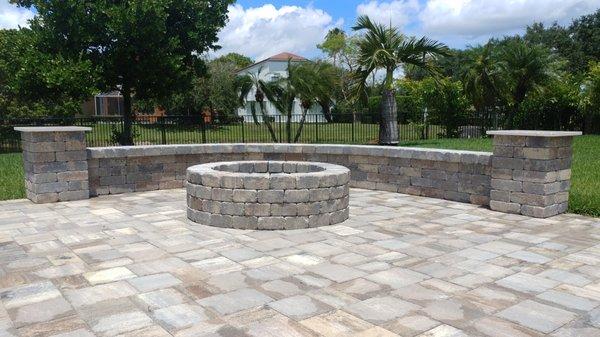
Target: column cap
52,128
534,133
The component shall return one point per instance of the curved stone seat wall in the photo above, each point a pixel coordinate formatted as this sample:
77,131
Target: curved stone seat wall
268,194
453,175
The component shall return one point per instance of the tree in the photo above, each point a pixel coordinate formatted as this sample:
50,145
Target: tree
240,61
525,68
585,32
386,48
590,97
334,44
35,84
559,41
254,83
482,80
146,48
309,83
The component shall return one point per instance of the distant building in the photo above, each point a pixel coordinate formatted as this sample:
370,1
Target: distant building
273,69
104,104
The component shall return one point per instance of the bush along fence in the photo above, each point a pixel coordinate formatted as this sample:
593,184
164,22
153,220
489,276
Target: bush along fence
528,173
150,130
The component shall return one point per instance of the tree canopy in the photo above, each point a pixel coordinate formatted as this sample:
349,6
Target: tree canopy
146,48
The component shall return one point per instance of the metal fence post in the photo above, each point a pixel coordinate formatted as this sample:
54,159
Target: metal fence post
243,133
203,129
316,129
163,130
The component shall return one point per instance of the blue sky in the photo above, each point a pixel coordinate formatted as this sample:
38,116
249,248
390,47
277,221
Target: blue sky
261,28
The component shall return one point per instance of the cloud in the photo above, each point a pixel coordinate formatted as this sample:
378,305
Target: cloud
12,16
399,12
260,32
475,18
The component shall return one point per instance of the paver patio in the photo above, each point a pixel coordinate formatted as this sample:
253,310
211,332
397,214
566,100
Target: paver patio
133,265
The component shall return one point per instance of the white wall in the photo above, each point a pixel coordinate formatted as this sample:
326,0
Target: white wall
269,71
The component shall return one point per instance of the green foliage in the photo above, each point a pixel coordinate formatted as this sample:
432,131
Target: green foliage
553,107
238,60
585,33
146,48
442,99
35,84
335,42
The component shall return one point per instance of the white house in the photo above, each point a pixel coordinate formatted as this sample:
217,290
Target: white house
272,69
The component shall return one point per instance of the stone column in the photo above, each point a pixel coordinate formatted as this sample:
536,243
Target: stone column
55,161
531,172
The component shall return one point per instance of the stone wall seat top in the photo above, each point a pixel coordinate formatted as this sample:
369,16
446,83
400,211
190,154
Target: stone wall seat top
465,157
52,128
534,133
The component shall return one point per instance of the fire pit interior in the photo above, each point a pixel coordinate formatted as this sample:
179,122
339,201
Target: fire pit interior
267,195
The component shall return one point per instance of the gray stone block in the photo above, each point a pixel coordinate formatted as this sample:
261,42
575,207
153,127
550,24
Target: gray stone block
284,209
270,196
283,182
72,175
296,196
222,194
245,196
505,207
71,155
507,163
256,182
54,187
544,212
260,210
271,223
506,185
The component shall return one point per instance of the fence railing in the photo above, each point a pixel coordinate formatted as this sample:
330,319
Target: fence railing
149,130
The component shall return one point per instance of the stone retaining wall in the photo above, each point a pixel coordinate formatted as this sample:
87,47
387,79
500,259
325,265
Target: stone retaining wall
268,195
454,175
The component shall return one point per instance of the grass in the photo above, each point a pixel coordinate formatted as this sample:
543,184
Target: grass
11,176
585,182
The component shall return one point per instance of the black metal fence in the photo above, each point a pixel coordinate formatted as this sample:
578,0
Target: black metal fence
149,130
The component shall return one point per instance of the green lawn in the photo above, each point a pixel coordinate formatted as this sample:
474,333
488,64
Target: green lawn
585,191
11,176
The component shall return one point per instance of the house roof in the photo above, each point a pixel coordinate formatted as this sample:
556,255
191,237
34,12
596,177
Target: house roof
281,57
285,57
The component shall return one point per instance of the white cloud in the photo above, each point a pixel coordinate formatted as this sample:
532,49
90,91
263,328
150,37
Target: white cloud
475,18
264,31
399,12
12,16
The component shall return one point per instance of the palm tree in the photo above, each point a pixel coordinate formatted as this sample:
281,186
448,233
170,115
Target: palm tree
482,78
244,86
526,68
385,48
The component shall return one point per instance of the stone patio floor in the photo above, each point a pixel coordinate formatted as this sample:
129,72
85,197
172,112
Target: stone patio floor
133,265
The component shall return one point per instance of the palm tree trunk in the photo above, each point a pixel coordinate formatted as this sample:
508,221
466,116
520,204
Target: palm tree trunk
268,122
253,112
302,121
388,121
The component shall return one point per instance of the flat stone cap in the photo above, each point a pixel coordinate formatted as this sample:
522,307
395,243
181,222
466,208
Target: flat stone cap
52,128
534,133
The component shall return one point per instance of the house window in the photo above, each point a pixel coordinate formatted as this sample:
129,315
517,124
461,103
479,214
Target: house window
109,104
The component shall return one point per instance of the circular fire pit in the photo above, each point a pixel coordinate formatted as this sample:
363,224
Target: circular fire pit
267,195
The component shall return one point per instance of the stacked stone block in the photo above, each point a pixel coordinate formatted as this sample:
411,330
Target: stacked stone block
55,161
268,195
453,175
531,172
